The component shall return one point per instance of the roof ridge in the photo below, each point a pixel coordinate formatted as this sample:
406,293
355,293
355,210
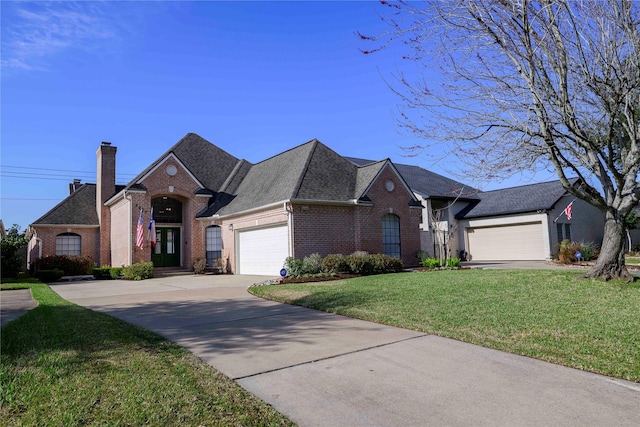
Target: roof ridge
314,145
530,185
232,175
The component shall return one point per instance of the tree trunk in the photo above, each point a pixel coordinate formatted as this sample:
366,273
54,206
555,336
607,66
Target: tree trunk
610,263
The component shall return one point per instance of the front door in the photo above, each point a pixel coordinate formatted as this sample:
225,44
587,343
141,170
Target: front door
166,253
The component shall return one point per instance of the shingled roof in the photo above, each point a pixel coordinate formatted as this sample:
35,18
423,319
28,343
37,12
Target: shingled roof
426,183
79,208
311,171
197,155
526,198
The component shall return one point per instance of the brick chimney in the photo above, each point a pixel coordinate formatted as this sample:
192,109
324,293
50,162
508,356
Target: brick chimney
74,186
105,188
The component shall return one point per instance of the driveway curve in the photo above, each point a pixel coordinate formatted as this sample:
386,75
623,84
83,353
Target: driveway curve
321,369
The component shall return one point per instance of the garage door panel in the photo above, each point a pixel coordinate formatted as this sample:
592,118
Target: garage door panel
263,251
511,242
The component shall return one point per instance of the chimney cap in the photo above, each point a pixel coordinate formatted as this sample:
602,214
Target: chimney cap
106,143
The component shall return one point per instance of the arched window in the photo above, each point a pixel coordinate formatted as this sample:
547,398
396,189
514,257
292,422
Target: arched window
68,244
167,210
391,235
214,244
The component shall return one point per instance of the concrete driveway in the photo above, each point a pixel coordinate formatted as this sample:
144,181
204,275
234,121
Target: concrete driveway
326,370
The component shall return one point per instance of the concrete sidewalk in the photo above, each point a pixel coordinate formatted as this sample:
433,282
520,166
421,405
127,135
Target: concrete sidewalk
15,303
321,369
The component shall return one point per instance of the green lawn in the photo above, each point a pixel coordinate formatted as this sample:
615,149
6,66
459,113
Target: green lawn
550,315
632,261
63,365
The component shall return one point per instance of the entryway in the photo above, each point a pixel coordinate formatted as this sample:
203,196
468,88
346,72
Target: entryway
166,253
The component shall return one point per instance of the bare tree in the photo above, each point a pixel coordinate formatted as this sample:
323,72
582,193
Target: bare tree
518,85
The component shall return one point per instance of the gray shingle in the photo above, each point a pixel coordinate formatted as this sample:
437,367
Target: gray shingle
78,208
526,198
426,183
208,163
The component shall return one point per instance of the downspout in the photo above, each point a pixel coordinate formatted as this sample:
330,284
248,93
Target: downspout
129,249
289,212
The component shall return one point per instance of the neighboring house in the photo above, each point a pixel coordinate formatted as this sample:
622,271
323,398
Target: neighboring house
526,223
208,204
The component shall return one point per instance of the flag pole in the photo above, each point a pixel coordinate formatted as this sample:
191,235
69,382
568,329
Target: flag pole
564,210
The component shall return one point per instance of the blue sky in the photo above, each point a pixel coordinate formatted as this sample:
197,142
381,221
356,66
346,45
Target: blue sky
254,78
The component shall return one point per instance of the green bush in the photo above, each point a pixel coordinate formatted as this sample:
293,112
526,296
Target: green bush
138,271
71,265
47,276
359,263
431,262
116,272
293,266
453,262
381,264
421,255
334,263
101,273
589,250
312,264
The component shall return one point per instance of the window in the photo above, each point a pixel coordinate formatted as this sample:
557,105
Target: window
214,244
391,235
167,210
68,244
564,232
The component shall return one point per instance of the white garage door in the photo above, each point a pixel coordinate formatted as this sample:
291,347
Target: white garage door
262,251
509,242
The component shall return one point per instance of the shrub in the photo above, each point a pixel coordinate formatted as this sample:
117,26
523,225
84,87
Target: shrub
47,276
115,272
138,271
312,264
293,266
334,263
199,265
102,273
453,262
421,255
382,263
589,250
431,262
359,263
567,252
71,265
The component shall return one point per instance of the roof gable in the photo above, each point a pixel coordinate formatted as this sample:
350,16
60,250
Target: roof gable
426,183
79,208
326,176
197,155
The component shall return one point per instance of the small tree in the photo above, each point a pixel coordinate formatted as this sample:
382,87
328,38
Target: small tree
12,244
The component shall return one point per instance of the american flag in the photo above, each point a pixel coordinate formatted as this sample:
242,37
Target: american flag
140,239
567,211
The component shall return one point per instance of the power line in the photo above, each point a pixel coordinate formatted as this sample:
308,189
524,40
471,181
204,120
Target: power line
90,173
23,198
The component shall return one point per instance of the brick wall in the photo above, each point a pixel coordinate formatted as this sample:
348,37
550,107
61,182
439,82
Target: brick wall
181,187
89,238
231,226
345,229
